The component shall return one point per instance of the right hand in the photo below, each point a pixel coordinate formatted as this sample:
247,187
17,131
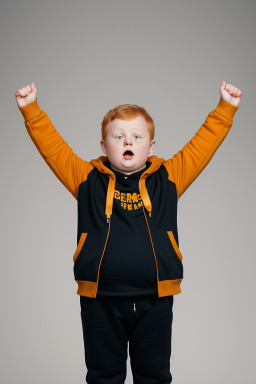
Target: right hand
26,95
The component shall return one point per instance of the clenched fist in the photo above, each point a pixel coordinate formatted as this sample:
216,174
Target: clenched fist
26,95
230,93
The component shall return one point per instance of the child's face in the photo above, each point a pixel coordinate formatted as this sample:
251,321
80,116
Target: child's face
123,135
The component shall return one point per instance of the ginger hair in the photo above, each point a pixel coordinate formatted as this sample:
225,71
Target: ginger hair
127,112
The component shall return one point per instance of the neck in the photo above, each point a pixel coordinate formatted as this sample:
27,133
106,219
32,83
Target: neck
128,173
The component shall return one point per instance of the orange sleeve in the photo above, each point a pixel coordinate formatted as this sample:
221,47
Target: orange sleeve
66,165
187,164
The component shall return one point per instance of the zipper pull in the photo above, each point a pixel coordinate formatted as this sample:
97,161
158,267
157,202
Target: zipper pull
134,307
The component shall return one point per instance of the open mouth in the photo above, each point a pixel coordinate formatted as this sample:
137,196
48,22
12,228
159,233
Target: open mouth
128,155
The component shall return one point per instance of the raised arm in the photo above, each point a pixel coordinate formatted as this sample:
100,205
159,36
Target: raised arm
187,164
66,165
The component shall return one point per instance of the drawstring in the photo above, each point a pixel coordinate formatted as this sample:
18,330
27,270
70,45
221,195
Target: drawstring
134,307
110,197
144,195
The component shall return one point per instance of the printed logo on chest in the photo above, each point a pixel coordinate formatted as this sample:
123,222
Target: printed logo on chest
129,201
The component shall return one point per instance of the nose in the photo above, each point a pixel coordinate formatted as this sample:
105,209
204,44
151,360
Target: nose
128,141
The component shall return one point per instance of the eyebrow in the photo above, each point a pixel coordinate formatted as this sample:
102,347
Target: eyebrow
121,130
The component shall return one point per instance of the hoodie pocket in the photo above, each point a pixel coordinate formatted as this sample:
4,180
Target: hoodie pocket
80,245
174,245
169,264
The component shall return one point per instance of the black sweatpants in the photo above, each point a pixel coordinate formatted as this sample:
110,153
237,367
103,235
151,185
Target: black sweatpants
109,322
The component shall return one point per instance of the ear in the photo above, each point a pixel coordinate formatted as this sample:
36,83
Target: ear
103,146
152,147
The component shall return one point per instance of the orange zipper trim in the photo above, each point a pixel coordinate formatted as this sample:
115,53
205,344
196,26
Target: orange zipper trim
151,244
109,221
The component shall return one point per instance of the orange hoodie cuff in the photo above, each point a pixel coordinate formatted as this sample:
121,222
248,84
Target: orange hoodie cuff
226,109
30,111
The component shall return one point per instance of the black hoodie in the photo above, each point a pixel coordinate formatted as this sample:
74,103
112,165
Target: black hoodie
128,266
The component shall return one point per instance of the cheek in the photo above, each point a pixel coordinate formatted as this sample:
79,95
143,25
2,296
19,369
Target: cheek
144,148
114,148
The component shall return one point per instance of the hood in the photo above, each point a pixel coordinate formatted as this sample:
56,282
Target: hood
98,163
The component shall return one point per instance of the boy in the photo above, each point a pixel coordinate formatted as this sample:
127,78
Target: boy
127,212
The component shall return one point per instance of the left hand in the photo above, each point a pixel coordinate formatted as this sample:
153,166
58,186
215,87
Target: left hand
230,93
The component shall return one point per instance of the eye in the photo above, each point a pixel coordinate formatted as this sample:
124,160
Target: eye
137,136
119,136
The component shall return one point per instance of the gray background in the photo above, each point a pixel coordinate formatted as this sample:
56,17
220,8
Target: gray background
85,58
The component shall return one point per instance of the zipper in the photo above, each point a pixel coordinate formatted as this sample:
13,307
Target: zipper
151,242
109,222
134,306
